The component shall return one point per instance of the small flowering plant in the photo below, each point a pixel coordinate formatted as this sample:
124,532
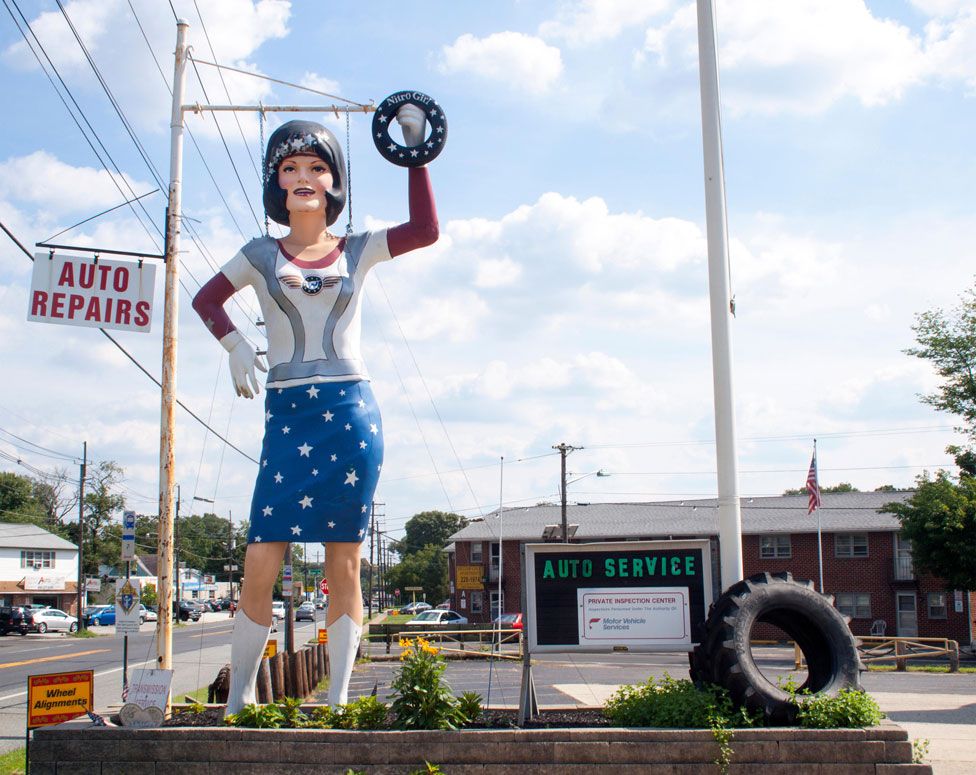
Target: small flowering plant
422,698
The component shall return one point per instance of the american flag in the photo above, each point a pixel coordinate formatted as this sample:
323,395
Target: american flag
813,486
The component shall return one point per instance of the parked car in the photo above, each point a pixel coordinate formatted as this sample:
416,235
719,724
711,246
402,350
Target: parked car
54,619
445,606
147,614
437,618
305,612
277,613
188,611
100,616
415,608
16,619
508,621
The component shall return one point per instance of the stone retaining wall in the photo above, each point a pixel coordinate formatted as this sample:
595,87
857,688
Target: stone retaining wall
77,748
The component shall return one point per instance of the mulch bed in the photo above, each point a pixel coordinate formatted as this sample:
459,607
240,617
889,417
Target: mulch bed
492,719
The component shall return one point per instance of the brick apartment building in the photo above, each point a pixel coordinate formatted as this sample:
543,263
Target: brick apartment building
867,566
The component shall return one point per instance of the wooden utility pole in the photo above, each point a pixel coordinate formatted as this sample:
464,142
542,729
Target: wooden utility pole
564,449
167,434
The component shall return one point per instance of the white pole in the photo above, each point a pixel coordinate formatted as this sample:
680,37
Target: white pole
501,553
729,515
167,441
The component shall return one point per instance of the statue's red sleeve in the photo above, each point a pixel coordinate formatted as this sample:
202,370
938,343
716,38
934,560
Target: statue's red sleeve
209,305
421,230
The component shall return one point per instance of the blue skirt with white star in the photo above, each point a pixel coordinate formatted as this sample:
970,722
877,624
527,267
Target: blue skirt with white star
320,463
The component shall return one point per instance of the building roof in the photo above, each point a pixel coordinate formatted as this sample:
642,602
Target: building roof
24,535
840,512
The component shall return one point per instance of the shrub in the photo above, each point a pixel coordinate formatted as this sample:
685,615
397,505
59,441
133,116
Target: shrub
849,708
422,698
674,703
363,713
470,706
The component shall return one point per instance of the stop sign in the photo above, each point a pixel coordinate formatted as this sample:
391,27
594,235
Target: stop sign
324,587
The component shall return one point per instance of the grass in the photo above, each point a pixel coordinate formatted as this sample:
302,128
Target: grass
200,695
13,762
919,669
85,633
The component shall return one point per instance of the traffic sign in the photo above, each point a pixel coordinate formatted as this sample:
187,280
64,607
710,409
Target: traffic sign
323,635
324,586
270,649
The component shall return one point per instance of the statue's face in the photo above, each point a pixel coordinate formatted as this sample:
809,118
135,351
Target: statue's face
306,178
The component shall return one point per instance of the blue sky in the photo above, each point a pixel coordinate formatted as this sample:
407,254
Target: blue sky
566,299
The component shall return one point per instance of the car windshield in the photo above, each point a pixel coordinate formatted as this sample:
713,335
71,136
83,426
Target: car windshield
428,616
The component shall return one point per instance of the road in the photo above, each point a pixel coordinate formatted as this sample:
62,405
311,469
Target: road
200,649
938,707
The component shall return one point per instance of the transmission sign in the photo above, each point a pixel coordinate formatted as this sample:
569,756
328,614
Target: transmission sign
632,596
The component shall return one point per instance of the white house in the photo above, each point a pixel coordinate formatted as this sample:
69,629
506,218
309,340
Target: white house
37,567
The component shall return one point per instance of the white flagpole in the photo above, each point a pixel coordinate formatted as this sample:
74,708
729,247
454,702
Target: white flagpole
729,513
501,554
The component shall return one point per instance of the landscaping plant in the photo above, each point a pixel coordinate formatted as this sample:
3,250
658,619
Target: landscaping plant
422,698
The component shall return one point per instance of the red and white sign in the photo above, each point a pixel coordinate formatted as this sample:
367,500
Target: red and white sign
634,616
89,292
324,587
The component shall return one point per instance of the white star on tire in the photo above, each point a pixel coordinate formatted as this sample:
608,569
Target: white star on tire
351,478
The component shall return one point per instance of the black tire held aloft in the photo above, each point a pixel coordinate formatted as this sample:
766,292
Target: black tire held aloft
724,657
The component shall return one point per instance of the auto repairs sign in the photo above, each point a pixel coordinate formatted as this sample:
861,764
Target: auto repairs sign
57,697
92,292
628,596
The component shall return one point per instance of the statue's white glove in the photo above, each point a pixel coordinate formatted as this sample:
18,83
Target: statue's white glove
242,362
413,123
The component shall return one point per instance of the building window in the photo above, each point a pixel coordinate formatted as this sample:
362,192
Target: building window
476,556
937,605
477,601
856,605
851,545
36,559
774,547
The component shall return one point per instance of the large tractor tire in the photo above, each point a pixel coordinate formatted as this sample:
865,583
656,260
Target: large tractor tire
724,657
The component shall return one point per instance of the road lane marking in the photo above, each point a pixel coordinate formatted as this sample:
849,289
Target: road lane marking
212,632
51,659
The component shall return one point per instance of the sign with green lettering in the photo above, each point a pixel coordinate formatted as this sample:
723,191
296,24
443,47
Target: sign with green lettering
630,596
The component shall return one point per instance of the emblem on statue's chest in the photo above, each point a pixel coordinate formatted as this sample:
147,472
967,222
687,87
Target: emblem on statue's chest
311,284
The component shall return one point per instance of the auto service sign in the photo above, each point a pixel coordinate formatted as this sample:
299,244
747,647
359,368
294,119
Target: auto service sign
92,292
628,596
57,697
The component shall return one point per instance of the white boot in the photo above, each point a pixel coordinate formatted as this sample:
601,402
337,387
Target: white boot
247,646
344,636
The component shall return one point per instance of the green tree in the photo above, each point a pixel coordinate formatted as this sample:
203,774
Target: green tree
842,487
102,506
426,568
940,520
18,502
948,341
429,528
149,596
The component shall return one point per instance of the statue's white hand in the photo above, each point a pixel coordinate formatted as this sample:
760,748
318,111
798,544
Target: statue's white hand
242,362
413,123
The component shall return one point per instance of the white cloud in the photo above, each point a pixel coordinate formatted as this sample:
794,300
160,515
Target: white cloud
46,182
236,29
592,21
497,273
453,317
521,62
801,56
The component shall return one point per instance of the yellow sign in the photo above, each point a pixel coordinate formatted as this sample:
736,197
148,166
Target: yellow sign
270,649
323,635
470,576
58,697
